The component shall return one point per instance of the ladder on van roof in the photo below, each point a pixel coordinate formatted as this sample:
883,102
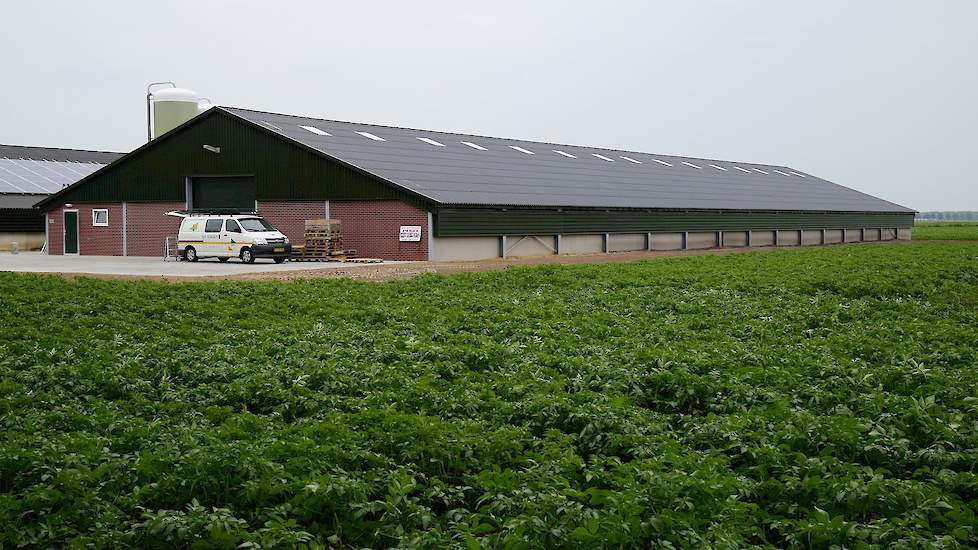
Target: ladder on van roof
212,212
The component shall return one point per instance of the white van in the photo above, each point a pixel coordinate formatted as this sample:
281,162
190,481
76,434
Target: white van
223,236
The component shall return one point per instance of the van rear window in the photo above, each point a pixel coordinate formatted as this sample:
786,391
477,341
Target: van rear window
213,226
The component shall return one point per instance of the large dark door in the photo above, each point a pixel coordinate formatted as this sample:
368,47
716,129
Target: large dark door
230,193
71,232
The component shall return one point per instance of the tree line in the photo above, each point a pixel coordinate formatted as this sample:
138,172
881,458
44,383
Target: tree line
949,216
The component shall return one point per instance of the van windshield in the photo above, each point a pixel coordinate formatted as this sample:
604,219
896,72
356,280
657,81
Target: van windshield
256,224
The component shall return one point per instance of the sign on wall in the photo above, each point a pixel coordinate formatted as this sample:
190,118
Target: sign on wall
410,233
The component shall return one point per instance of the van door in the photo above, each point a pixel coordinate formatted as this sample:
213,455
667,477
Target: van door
213,244
232,237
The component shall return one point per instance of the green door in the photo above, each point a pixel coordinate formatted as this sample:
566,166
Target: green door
71,232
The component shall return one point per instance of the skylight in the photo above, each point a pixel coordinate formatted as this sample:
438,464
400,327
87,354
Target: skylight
783,173
799,175
568,155
473,145
521,150
270,125
742,169
691,164
431,142
315,130
718,167
662,162
602,157
368,135
759,170
630,159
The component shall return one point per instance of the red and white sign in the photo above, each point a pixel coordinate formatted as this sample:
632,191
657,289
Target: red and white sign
410,233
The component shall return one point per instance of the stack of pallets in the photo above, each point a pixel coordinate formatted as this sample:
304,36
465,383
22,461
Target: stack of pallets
323,243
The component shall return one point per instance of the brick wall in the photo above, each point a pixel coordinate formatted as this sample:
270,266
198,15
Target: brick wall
56,227
92,240
373,227
149,226
370,227
290,216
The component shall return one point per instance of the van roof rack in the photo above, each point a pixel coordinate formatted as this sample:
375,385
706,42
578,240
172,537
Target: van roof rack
212,212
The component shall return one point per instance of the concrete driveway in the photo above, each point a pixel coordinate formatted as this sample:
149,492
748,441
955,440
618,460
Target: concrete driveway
34,262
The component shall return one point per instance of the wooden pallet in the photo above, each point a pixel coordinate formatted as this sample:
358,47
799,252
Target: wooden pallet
323,225
323,243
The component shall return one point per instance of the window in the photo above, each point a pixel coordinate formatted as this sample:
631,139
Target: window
100,217
521,150
430,141
257,224
315,130
232,226
368,135
213,226
473,145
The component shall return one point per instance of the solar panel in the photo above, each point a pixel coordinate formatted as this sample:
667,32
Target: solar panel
18,176
41,176
53,172
62,169
37,175
7,180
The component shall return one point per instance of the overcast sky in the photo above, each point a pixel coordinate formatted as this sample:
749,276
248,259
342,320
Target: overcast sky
875,95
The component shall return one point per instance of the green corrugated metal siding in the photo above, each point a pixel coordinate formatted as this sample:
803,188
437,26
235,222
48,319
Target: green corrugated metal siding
282,170
466,222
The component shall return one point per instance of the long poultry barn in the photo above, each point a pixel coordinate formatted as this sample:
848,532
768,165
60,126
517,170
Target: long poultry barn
407,194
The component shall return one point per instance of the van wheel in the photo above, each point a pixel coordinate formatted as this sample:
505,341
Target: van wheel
190,254
222,259
246,256
279,260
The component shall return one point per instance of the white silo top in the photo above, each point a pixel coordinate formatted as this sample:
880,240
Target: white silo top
176,94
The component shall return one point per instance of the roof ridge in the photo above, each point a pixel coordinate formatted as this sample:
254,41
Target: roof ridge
550,143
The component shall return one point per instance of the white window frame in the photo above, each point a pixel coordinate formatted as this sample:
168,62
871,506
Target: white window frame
95,222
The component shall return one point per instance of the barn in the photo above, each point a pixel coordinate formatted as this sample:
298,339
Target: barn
408,194
29,174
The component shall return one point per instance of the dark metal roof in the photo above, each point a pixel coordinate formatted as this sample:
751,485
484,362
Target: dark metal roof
12,200
499,171
33,171
57,154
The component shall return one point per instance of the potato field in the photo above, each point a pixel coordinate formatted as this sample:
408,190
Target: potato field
945,231
802,398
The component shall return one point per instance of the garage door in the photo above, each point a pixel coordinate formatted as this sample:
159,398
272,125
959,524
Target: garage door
235,193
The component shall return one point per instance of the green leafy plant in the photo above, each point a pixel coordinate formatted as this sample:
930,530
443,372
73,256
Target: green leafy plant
819,397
